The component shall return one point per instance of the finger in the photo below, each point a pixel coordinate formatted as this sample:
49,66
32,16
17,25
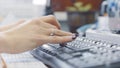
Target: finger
58,39
59,32
11,25
51,20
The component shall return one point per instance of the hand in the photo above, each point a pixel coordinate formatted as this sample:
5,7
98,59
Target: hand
33,33
9,26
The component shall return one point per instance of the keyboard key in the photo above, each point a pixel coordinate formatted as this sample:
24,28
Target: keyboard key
77,62
65,56
76,54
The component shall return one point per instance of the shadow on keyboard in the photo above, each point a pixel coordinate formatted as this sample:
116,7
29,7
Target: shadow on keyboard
80,53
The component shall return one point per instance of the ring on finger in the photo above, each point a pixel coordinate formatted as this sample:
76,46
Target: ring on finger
52,32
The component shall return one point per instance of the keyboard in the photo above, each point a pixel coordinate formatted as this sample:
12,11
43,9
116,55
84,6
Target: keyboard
83,52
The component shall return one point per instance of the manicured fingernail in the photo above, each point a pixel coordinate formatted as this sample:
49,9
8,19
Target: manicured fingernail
75,35
63,44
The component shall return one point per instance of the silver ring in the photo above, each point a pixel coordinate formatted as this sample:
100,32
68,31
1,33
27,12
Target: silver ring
52,33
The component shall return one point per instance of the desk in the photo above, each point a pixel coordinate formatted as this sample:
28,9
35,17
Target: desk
23,60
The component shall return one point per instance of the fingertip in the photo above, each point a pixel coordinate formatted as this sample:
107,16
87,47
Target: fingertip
63,33
59,39
75,35
51,15
65,39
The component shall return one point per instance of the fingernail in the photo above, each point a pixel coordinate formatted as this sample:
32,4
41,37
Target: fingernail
75,35
63,44
71,37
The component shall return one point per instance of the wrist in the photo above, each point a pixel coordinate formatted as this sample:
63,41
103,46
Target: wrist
3,43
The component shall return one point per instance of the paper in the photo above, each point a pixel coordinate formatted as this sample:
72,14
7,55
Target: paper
26,65
24,60
0,63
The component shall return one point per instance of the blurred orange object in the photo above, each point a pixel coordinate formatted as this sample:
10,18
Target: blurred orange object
60,5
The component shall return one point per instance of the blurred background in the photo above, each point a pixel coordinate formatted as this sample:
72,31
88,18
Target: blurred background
72,14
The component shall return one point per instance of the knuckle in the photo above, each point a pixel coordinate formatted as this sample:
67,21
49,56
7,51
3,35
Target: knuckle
54,27
52,16
57,31
36,21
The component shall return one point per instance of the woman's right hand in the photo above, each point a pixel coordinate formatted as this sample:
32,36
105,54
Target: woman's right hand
33,33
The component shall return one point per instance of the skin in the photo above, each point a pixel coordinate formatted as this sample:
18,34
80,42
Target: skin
27,35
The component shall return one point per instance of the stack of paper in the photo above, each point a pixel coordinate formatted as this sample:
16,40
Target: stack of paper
26,65
24,60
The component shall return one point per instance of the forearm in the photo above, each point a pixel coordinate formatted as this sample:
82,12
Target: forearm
3,44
